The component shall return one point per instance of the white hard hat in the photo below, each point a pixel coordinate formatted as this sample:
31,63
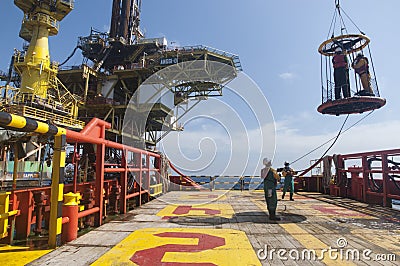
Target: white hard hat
267,162
338,49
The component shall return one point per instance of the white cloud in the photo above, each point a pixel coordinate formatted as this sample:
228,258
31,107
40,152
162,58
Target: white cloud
237,151
287,75
291,143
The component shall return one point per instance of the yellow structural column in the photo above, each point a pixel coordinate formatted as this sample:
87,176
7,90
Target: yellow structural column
41,20
57,190
36,70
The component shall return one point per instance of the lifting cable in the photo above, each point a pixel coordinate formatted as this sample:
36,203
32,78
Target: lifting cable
341,20
355,25
338,16
332,26
373,69
334,138
69,57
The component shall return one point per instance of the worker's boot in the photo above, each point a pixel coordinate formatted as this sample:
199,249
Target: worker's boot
272,216
283,195
291,197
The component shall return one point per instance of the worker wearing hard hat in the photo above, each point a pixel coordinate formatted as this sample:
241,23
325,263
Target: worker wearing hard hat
360,65
288,173
341,74
271,177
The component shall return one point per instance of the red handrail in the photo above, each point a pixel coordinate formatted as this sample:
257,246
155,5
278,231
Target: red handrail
186,178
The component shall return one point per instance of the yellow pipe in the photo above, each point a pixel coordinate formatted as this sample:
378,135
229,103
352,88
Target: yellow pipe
17,123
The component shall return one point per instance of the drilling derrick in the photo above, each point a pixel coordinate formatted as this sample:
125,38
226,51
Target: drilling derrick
125,21
41,95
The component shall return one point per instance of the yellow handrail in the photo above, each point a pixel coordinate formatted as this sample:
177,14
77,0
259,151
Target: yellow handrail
155,190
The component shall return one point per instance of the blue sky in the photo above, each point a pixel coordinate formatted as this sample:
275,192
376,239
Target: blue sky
277,42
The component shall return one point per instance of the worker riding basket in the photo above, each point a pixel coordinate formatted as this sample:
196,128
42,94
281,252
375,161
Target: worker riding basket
348,78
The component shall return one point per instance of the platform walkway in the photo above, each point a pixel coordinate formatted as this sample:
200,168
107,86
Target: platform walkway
232,228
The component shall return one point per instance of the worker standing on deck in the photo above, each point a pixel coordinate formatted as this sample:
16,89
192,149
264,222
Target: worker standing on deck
271,178
288,173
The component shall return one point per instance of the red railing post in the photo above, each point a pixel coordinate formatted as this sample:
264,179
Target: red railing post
23,202
88,200
100,153
158,166
365,171
148,171
385,179
140,179
341,177
39,198
124,182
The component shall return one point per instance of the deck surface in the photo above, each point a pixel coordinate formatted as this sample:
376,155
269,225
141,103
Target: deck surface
232,228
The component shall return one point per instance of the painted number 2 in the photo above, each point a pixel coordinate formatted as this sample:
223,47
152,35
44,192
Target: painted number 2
153,256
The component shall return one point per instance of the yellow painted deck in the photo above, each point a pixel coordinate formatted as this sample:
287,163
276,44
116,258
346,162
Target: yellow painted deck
232,228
